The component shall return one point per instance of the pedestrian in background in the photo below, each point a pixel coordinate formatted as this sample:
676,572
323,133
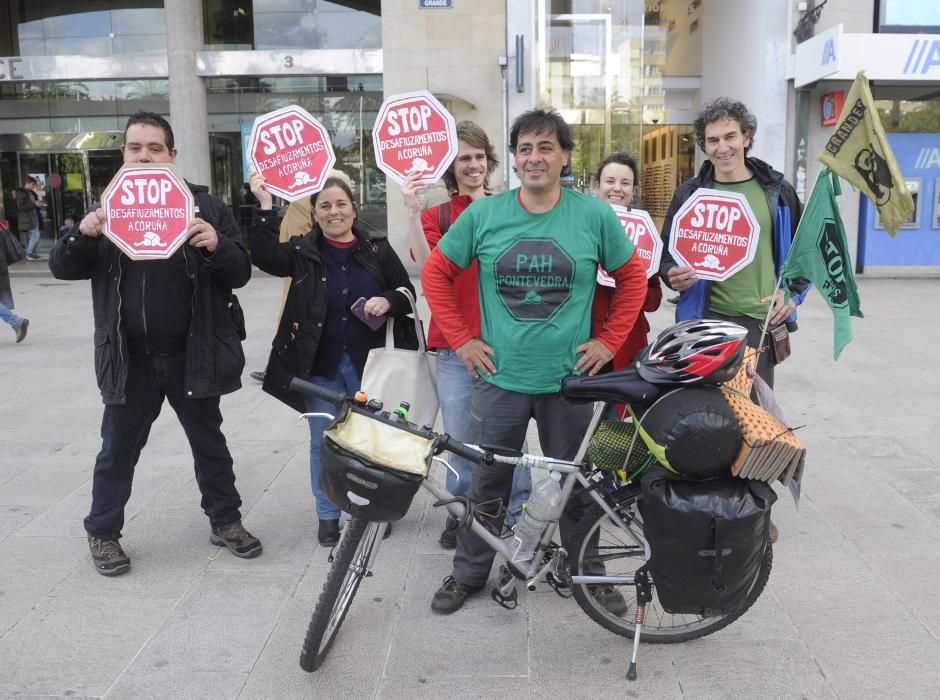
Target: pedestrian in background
28,206
16,322
164,329
467,179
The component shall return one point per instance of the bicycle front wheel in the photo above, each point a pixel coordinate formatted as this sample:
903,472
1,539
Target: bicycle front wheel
349,567
601,546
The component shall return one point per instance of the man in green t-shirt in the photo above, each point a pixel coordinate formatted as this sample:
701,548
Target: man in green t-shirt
538,249
724,130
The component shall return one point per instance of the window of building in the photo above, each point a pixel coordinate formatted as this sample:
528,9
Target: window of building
347,106
908,16
909,115
618,72
89,28
292,24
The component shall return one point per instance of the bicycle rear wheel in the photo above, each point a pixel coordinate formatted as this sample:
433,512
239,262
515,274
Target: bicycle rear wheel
350,564
598,540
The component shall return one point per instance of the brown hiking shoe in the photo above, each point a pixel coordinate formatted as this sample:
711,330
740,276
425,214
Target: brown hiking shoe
239,541
108,557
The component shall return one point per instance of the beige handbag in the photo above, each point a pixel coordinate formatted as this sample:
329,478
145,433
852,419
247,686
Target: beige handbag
393,375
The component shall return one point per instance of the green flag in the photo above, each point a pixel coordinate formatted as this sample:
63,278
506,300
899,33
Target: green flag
858,151
820,254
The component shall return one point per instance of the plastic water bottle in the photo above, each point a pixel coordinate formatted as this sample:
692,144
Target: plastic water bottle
536,514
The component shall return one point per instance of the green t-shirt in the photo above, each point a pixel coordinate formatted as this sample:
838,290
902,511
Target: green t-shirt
537,279
741,294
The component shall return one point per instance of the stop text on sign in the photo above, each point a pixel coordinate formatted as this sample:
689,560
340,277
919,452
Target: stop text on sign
407,119
148,209
142,190
414,132
280,136
292,151
714,232
641,230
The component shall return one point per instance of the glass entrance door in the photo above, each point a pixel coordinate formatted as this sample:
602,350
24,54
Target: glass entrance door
66,190
62,177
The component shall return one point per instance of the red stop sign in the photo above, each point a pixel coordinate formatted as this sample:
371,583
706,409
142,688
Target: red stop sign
147,209
292,151
640,229
414,132
715,233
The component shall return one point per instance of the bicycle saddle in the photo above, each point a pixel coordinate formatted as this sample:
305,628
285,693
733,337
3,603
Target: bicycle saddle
622,386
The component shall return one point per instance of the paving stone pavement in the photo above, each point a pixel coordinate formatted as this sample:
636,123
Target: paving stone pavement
852,609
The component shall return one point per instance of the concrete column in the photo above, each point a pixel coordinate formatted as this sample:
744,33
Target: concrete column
188,112
454,53
745,45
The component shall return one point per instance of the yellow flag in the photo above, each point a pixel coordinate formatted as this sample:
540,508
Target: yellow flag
858,151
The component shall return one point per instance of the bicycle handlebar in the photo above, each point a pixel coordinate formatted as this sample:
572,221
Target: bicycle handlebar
337,398
444,441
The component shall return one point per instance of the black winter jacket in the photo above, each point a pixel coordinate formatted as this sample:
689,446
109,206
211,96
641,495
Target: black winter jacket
214,356
26,210
298,335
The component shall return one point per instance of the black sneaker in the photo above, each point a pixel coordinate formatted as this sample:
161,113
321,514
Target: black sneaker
239,541
448,538
20,328
449,598
611,599
108,557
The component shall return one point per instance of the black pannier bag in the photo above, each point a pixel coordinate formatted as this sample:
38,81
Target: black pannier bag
371,467
707,540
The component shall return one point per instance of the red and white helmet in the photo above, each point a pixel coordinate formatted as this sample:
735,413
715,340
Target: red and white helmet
704,351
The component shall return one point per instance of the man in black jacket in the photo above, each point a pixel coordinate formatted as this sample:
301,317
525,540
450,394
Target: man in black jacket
164,329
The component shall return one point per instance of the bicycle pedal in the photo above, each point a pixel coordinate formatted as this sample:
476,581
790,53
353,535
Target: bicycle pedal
510,602
562,589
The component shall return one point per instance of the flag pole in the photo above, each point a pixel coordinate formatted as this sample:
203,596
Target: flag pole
770,307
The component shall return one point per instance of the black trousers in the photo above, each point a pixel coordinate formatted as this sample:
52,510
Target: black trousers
124,432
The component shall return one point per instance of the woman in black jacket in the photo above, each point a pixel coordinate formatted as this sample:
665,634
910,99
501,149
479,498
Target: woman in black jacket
319,338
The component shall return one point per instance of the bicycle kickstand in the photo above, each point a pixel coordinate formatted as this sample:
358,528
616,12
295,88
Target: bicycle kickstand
643,596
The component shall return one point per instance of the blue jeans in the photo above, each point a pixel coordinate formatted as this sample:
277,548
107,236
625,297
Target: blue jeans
6,307
33,242
346,380
454,391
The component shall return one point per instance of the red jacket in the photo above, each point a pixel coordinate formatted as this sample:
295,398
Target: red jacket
636,340
467,283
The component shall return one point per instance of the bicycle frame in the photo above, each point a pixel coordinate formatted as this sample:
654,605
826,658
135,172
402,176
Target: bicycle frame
571,473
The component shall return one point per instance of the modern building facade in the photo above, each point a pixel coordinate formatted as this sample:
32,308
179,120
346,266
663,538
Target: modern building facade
627,74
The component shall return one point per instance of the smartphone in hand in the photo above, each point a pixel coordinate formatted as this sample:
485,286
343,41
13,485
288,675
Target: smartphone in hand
373,322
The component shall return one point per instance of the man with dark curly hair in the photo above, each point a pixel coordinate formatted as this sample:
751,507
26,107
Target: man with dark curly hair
725,130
